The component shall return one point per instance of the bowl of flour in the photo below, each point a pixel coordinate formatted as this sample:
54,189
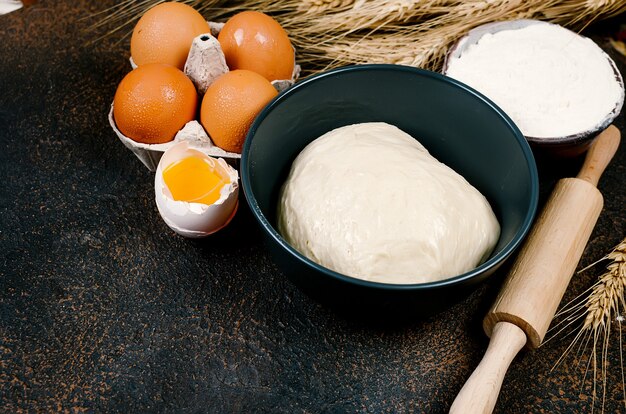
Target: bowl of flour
560,88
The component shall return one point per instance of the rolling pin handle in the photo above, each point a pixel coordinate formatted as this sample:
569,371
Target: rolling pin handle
480,392
599,156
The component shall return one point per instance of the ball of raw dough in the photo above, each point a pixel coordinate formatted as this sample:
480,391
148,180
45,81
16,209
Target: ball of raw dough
369,201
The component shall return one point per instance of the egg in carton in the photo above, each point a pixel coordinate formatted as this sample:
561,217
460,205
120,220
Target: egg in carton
205,63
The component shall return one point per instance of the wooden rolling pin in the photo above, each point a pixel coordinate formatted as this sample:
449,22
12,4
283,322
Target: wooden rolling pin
537,281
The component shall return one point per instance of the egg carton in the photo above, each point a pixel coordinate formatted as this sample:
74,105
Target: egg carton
205,63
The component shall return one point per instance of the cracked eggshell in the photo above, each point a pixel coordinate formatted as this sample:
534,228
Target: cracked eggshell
195,220
205,63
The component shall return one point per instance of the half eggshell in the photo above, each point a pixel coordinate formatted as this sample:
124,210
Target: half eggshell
195,220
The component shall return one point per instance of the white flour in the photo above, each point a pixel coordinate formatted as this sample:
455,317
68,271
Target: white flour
549,80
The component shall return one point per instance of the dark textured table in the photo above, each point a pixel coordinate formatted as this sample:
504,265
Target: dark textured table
103,308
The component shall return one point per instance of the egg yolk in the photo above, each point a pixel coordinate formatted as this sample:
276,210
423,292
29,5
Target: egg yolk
195,180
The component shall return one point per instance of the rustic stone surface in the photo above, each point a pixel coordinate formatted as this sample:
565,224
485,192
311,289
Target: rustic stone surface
103,308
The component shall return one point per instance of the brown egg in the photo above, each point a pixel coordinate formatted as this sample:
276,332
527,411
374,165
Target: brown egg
153,102
164,34
230,105
254,41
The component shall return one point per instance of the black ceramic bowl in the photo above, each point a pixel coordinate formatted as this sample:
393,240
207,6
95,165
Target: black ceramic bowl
456,124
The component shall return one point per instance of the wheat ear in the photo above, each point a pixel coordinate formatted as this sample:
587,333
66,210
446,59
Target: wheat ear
596,311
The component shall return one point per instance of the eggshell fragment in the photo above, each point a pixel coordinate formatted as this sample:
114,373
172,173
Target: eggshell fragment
9,6
194,220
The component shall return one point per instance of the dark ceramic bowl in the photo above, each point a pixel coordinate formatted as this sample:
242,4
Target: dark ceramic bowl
456,124
553,147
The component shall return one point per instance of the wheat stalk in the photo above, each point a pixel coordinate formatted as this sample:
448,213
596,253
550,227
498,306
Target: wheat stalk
383,48
311,7
124,15
570,13
595,311
371,15
404,16
359,35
